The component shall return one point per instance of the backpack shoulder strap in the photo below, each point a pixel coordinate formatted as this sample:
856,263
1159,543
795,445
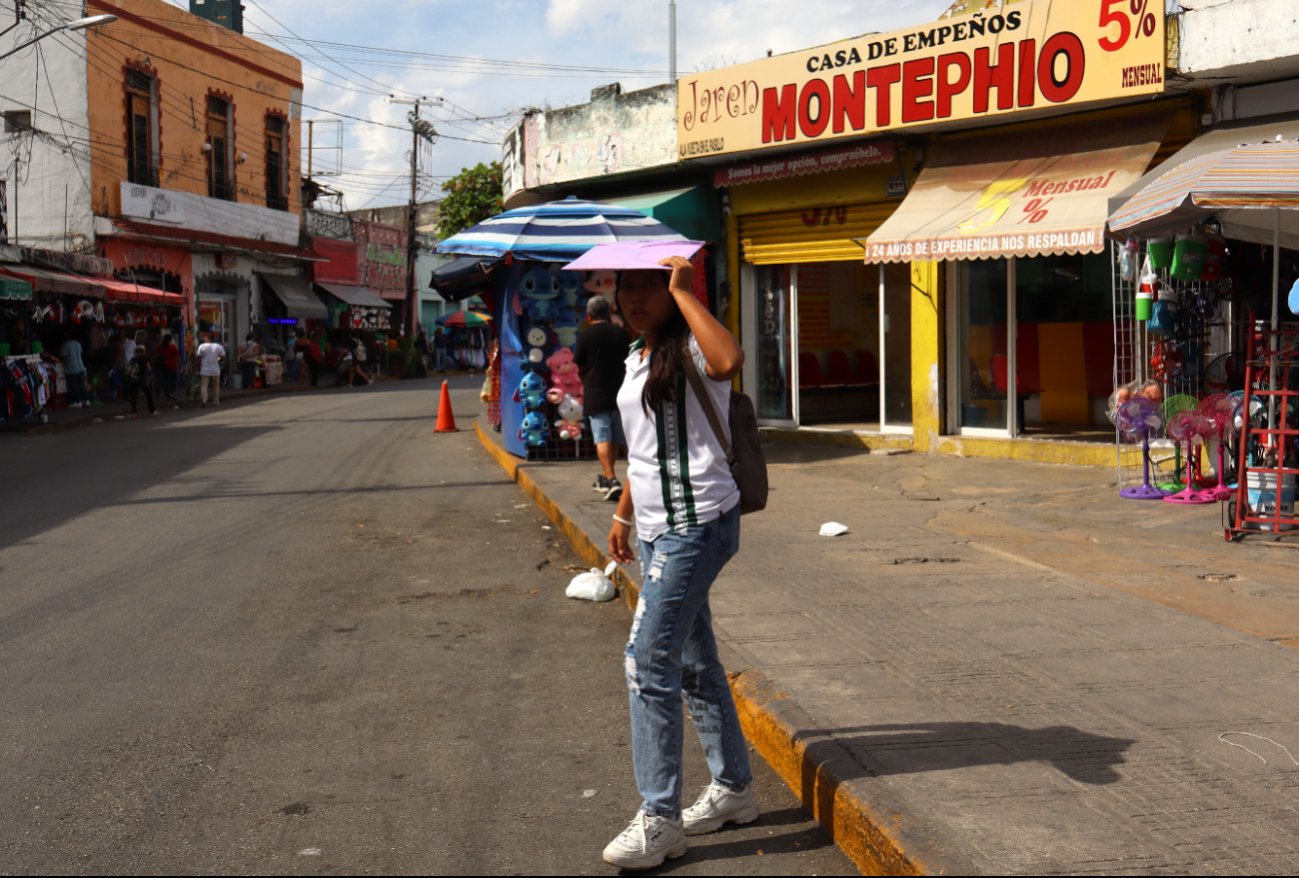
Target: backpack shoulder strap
706,402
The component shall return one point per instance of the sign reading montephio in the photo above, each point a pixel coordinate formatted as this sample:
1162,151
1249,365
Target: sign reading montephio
1026,57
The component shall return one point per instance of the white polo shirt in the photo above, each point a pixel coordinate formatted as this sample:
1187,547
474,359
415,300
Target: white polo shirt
676,469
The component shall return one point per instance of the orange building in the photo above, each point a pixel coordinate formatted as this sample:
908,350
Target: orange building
194,166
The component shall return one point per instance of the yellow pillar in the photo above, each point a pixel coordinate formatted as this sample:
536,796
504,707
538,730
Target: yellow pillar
927,325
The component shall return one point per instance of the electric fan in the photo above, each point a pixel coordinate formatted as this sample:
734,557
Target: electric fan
1172,406
1225,373
1140,418
1218,411
1189,427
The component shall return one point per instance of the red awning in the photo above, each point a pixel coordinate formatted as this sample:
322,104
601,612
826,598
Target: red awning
48,280
125,291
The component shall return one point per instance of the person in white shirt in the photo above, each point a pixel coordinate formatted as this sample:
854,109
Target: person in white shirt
687,517
209,356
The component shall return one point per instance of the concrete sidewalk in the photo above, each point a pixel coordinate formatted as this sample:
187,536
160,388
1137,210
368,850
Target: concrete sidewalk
1003,667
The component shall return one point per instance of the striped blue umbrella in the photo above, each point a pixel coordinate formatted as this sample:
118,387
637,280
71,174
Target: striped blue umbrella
558,231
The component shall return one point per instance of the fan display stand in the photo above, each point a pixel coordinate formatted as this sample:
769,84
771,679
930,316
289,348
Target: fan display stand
1189,427
1218,410
1142,417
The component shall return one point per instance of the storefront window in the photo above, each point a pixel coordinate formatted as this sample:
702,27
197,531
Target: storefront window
981,293
838,343
1063,354
214,316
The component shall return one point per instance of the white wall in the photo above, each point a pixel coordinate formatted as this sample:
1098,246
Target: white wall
1238,41
54,165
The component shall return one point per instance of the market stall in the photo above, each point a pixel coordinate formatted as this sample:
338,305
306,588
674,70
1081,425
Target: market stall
1200,331
539,310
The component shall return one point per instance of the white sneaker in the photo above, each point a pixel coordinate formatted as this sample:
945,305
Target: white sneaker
719,805
646,842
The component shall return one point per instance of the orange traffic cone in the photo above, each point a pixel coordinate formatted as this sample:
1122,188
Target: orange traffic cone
446,420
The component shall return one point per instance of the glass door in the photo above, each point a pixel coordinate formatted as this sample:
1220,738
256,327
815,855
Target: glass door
769,333
978,324
895,342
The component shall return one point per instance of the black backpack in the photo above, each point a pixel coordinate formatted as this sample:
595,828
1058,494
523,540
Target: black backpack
744,451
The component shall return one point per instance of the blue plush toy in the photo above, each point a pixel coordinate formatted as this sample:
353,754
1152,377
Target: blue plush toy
534,429
569,284
538,291
531,391
565,326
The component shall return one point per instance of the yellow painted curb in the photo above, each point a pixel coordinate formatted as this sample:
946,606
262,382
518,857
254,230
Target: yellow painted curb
584,546
865,836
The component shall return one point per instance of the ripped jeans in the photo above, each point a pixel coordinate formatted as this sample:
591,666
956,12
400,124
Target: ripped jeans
672,651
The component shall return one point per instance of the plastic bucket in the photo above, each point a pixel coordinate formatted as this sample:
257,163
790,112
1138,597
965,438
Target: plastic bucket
1160,253
1188,258
1261,490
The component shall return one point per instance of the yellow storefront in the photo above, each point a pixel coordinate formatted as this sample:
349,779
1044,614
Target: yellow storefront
828,344
1008,220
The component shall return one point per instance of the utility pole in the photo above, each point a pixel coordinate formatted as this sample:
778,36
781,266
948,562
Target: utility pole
419,128
672,41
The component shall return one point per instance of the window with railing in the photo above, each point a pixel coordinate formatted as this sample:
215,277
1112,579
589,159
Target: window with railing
277,170
220,149
141,128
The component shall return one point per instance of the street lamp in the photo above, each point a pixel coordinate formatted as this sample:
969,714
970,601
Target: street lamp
77,24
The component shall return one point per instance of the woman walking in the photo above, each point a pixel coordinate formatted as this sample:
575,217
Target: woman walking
687,517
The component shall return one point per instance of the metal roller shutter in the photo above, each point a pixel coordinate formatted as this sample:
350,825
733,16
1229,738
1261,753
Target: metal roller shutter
823,234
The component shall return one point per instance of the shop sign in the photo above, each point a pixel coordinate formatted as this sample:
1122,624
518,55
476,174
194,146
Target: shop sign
1019,60
830,160
153,205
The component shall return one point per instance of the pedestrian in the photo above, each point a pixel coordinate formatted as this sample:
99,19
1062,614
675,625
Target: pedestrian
441,347
210,354
600,355
687,518
169,357
74,371
359,357
311,354
139,377
249,353
421,352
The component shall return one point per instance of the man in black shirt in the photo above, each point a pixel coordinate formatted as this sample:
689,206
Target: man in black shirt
600,355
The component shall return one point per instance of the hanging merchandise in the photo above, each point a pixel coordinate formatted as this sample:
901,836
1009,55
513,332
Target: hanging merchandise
1160,253
1163,315
1188,258
1129,255
1147,291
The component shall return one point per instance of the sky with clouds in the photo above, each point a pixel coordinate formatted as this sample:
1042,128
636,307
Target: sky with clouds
479,64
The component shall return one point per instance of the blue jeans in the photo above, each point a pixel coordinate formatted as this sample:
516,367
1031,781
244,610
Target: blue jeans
672,651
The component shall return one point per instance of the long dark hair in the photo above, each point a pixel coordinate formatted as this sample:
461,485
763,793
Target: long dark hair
665,370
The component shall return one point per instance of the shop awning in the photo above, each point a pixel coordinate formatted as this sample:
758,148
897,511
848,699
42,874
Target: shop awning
14,288
1028,194
357,297
126,291
295,292
1211,141
45,280
690,211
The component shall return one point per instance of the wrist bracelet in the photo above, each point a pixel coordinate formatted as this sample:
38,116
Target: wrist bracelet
622,521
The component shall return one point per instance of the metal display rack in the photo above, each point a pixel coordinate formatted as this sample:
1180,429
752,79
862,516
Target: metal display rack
1269,441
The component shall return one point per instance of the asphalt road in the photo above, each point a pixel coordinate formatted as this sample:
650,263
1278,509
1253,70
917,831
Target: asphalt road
306,635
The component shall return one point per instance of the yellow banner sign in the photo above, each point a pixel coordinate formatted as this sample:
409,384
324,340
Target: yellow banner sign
1024,58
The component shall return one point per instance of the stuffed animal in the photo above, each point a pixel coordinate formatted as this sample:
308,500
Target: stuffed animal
563,372
566,323
569,283
569,425
539,340
531,391
533,429
537,292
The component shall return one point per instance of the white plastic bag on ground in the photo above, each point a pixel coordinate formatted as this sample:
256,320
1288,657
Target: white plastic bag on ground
833,529
594,585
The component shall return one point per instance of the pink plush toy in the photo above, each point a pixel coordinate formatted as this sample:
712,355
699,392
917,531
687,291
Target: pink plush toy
563,373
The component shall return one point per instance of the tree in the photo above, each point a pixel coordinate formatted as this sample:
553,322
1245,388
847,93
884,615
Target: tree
472,196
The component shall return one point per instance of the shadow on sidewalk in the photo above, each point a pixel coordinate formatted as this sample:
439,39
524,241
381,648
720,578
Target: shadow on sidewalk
908,748
716,846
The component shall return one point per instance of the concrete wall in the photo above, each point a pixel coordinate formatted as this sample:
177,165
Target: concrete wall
614,133
191,58
48,195
1236,41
